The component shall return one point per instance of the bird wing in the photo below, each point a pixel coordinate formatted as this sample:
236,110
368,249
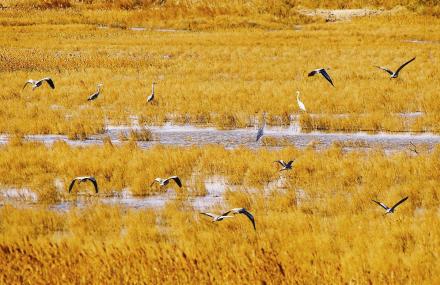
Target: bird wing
27,82
283,164
386,69
400,202
155,180
260,133
92,97
403,65
225,214
250,217
381,204
311,73
289,164
150,98
326,76
210,215
176,179
49,81
93,180
71,184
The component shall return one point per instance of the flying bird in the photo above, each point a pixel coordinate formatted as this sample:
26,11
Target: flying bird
395,74
323,73
244,212
390,210
301,105
218,218
83,179
260,132
285,166
151,97
96,94
164,182
38,83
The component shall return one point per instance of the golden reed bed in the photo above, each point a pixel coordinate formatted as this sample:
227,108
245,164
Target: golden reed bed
318,226
212,72
226,64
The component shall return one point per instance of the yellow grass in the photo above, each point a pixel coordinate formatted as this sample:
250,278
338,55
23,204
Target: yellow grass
224,77
332,233
230,62
35,166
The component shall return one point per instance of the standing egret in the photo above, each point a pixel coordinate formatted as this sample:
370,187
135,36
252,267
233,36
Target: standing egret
390,210
38,83
96,94
83,179
395,74
300,104
164,182
323,73
151,97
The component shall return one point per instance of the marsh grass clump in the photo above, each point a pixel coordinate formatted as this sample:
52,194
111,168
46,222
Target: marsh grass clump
274,141
143,134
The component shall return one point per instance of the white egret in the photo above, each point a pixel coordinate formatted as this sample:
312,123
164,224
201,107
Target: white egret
300,104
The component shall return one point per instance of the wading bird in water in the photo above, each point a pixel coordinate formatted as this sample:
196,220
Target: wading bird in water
395,74
323,73
151,97
260,132
390,210
164,182
38,83
286,166
96,94
83,179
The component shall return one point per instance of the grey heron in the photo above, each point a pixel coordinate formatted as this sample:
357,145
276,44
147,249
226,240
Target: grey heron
164,182
395,74
244,212
301,105
260,132
151,97
217,218
413,148
390,210
323,73
286,166
38,83
83,179
96,94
